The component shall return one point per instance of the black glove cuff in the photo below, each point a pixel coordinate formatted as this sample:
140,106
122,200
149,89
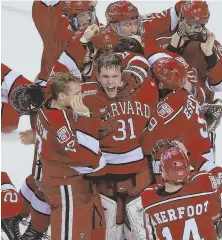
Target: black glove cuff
171,48
211,60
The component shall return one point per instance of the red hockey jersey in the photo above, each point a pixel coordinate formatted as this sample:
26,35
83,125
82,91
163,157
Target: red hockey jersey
179,117
186,214
121,149
10,80
68,147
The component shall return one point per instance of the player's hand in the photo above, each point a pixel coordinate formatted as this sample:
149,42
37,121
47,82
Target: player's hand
27,137
207,47
78,106
107,127
128,88
177,41
89,33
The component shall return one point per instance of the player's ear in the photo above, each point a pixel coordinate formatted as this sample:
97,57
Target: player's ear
61,97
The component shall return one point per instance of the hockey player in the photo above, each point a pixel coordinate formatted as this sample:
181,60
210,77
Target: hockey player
128,172
9,81
184,205
185,22
11,203
68,149
177,116
58,23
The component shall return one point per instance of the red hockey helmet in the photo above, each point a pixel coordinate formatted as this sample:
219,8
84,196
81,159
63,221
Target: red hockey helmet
106,39
195,10
170,72
75,7
120,11
174,165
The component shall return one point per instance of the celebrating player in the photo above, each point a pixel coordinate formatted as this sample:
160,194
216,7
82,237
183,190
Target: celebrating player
185,204
69,148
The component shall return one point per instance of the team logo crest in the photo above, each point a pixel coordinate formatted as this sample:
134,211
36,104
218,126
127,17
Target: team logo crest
215,182
63,134
164,110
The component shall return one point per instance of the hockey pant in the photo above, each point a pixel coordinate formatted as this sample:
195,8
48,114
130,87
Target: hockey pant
120,196
35,205
77,211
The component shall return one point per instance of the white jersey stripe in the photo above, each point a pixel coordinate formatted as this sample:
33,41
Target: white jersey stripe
180,198
62,190
88,141
70,64
70,211
174,18
85,170
118,158
40,206
7,186
138,58
174,115
157,56
214,88
9,80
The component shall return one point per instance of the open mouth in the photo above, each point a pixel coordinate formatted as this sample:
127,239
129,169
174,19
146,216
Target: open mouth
111,89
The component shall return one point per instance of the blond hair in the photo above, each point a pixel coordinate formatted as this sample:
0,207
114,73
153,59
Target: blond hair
60,83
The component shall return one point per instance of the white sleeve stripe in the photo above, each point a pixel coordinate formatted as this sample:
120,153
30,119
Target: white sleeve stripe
214,88
7,186
10,78
50,2
139,68
174,18
180,198
88,141
66,60
166,122
139,58
135,73
40,206
85,170
157,56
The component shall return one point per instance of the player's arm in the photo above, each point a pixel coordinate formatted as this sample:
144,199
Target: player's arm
214,59
10,80
156,23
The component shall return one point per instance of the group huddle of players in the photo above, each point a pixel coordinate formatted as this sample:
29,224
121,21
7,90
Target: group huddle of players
123,120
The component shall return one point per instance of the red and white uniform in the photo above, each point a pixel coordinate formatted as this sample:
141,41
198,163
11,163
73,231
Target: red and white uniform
11,200
55,31
121,149
155,24
75,57
153,52
210,79
68,146
161,27
179,117
10,80
185,213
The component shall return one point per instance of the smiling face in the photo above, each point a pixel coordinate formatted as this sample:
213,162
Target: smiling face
127,27
110,79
